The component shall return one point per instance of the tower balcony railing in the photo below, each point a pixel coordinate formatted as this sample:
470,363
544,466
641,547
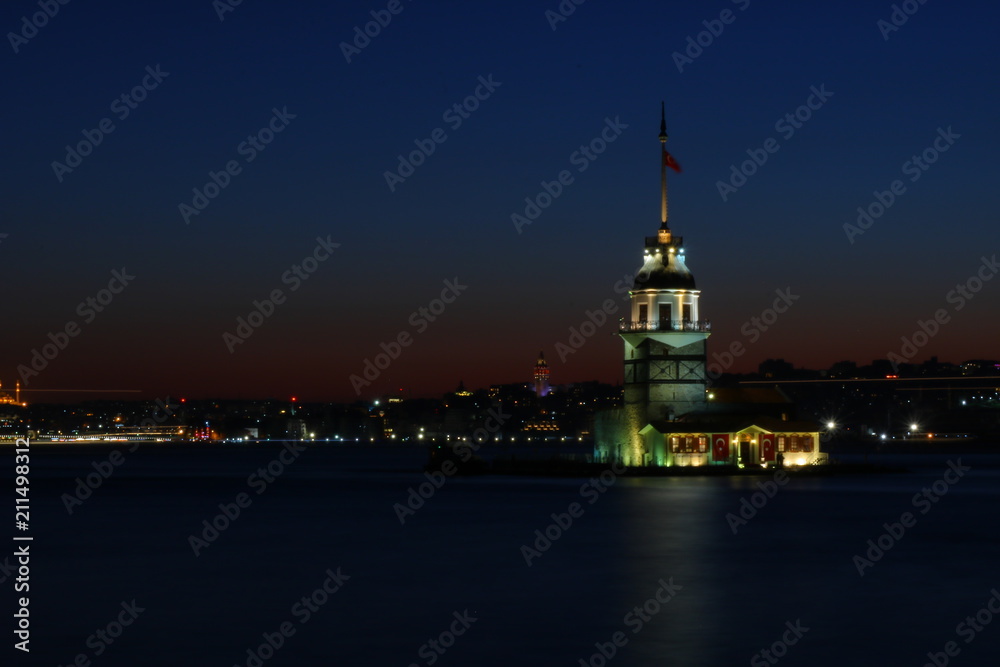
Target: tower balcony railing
652,241
664,325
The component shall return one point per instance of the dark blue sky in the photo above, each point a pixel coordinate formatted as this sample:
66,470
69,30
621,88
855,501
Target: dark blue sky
323,176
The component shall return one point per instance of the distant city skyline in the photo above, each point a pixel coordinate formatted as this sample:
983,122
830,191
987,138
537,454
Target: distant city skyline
262,201
874,368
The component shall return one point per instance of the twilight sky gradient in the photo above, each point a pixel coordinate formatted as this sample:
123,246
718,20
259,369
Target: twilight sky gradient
323,175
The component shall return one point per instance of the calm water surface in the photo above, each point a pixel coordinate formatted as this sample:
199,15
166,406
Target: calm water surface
462,552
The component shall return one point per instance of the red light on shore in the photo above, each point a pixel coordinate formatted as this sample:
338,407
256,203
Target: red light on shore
891,377
294,399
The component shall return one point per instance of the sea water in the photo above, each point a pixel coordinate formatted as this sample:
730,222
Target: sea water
328,547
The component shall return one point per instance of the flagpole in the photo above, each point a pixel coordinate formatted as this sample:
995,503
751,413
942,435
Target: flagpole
663,165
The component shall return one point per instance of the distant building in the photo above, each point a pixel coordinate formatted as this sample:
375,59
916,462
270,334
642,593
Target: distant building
7,399
541,376
669,416
295,429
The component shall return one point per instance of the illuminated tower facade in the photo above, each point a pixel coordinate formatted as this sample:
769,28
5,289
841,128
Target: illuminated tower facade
541,376
666,419
665,336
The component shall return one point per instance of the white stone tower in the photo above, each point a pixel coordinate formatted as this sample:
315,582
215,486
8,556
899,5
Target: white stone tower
665,335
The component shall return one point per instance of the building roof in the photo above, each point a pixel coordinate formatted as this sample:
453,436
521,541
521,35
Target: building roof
726,423
664,270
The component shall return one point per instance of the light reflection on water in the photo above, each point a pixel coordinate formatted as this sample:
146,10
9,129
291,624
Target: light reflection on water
672,528
462,549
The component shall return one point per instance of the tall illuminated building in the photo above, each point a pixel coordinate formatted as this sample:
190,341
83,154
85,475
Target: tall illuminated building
665,337
541,376
669,417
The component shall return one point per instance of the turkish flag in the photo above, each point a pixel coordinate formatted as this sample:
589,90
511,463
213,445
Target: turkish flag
767,446
669,160
720,447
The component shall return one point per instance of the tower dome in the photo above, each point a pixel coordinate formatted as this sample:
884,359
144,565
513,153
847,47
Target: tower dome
663,263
